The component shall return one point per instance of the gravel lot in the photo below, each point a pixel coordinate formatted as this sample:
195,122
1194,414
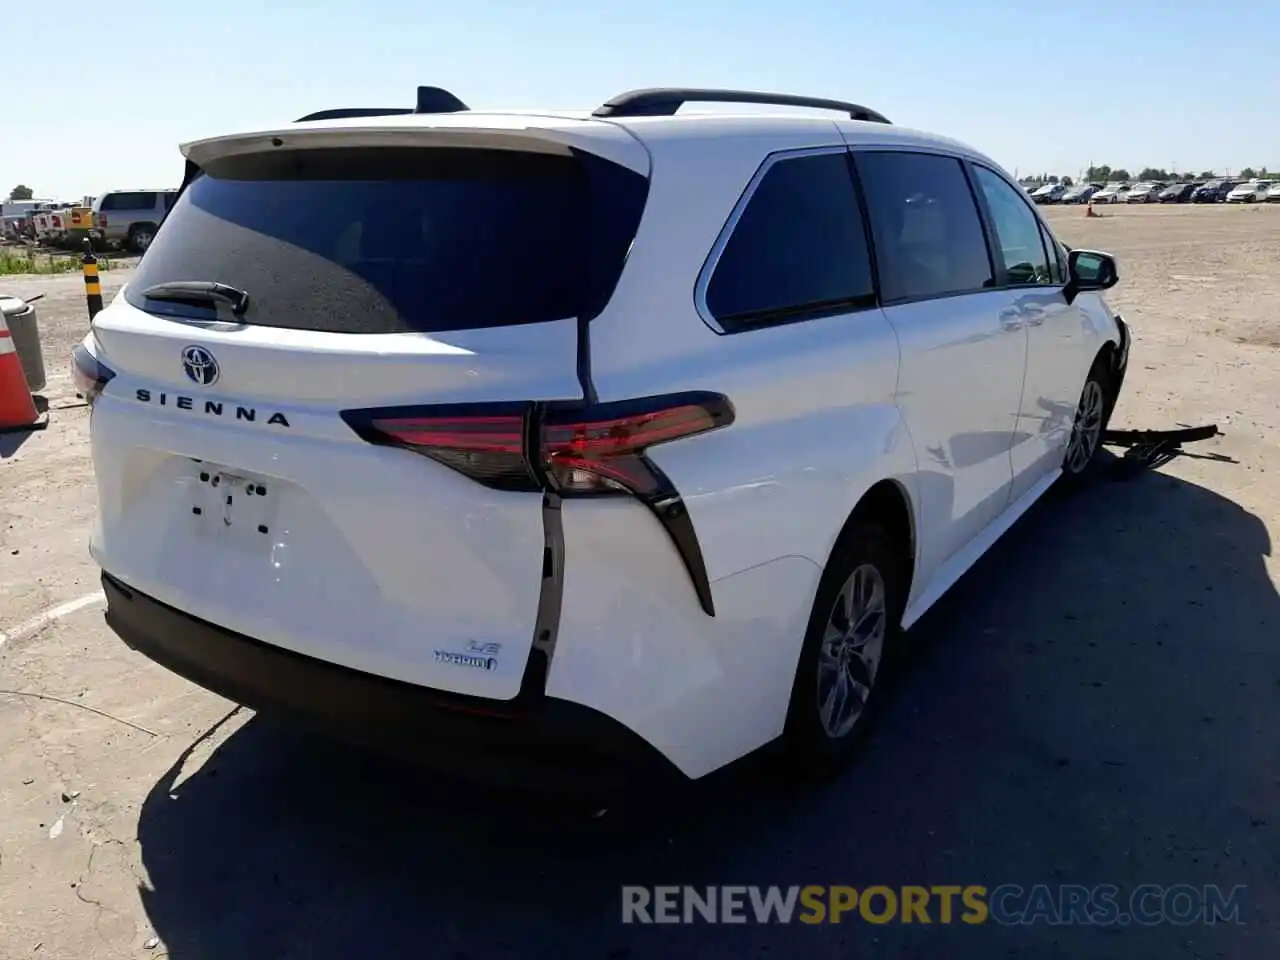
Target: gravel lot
1098,702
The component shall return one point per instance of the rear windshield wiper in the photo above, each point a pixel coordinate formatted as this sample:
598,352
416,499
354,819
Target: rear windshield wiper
199,291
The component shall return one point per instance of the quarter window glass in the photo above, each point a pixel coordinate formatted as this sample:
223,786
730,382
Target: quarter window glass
1020,241
1057,270
797,251
928,236
128,201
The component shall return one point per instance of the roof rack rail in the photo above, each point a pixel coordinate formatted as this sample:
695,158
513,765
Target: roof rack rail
430,100
665,101
343,113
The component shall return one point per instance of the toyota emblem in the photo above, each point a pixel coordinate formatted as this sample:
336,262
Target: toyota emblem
200,366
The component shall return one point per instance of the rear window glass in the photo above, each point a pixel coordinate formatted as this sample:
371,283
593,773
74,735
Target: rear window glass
382,240
128,201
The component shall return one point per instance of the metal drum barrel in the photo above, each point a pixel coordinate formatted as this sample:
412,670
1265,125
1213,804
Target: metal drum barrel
20,318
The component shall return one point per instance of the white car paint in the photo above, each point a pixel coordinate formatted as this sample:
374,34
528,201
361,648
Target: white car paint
1144,192
963,403
1250,191
1111,193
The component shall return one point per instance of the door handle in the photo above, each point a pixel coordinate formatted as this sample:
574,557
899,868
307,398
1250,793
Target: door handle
1035,316
1011,318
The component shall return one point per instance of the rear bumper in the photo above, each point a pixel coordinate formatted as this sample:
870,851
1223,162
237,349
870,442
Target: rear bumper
533,740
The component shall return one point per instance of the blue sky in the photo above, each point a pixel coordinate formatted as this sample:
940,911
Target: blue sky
1034,86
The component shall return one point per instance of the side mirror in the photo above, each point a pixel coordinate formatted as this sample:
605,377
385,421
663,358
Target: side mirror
1089,270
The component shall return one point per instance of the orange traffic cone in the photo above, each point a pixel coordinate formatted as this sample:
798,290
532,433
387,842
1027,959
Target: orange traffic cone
1088,211
17,408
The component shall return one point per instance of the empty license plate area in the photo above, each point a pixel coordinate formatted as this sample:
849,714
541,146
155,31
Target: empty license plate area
234,506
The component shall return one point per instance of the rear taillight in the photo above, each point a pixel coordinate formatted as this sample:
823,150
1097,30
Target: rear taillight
102,219
57,220
569,449
90,374
600,450
485,443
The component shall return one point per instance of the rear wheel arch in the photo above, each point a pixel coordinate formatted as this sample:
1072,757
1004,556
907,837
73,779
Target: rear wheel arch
877,535
889,505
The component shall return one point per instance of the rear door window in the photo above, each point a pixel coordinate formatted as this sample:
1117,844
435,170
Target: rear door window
392,240
128,201
798,249
1057,266
929,239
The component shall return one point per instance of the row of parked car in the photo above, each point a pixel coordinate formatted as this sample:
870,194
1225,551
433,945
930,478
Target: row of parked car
119,218
1154,191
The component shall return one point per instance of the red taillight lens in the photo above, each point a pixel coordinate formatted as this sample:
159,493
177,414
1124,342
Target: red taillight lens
485,443
571,449
90,374
57,220
592,452
102,219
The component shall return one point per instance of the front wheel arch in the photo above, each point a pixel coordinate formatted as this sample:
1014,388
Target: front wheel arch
1102,373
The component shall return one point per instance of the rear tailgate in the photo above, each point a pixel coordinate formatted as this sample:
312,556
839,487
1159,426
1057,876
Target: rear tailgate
377,276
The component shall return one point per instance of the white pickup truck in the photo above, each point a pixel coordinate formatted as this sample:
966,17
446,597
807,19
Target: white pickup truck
51,222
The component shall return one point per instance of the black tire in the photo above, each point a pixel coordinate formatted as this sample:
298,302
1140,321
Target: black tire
808,746
140,237
1080,466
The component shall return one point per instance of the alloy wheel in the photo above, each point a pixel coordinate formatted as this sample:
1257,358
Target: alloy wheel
852,649
1087,429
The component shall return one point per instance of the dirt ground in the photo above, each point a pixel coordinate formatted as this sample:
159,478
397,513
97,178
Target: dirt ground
1098,701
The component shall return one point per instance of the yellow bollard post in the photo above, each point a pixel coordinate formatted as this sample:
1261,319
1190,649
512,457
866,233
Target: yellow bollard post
92,286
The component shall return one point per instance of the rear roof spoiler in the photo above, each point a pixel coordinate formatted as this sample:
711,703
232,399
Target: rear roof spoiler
430,100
